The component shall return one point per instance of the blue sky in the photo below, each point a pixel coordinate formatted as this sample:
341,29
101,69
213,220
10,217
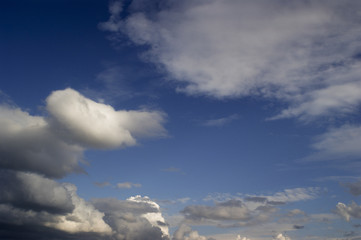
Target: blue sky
182,120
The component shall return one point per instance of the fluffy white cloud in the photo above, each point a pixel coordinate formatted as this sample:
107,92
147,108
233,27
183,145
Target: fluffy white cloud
98,125
304,53
282,237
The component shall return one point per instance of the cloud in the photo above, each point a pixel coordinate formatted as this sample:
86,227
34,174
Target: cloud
128,185
135,218
54,146
98,125
338,143
28,143
41,202
35,149
102,184
184,232
282,237
348,211
303,53
354,188
218,122
231,213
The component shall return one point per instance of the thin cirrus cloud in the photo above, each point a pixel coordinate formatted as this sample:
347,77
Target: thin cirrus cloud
306,54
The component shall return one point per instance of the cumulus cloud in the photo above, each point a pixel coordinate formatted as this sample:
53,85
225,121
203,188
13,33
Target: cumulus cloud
41,202
348,211
184,232
281,237
28,143
98,125
304,53
36,149
135,218
54,146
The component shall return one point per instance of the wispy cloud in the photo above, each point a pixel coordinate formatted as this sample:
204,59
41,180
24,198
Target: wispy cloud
128,185
219,122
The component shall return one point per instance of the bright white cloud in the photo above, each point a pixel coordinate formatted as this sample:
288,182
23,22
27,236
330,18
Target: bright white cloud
304,53
98,125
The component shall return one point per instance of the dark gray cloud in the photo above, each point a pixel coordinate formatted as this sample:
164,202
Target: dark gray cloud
298,226
32,192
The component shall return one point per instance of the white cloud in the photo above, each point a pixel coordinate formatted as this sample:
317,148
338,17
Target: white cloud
282,237
304,53
98,125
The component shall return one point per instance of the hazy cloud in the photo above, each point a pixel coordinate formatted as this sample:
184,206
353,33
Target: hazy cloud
354,188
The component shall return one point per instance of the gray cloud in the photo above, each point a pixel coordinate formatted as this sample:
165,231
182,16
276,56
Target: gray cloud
348,211
354,188
135,218
32,192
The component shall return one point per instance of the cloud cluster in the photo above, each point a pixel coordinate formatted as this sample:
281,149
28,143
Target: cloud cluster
53,146
34,150
348,211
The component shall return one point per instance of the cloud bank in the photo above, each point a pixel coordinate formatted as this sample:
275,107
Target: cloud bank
34,150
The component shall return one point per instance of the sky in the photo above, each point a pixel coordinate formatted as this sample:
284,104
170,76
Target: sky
180,120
